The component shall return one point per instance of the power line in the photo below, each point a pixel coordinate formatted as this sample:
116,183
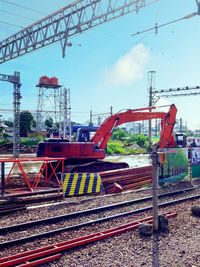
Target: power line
10,24
14,14
27,8
156,27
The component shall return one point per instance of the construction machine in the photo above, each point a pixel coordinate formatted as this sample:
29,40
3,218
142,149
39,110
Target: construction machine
88,155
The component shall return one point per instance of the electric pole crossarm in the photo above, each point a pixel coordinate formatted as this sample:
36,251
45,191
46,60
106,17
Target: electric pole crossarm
66,22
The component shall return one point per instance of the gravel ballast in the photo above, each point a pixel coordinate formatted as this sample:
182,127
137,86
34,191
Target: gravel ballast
178,247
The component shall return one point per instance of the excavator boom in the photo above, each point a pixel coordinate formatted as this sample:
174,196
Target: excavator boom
168,119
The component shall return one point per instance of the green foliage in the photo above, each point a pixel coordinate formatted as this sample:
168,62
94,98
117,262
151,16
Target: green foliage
31,141
8,123
114,147
49,122
3,141
118,147
26,119
5,136
119,134
129,139
34,123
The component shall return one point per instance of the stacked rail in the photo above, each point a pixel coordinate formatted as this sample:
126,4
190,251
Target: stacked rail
127,179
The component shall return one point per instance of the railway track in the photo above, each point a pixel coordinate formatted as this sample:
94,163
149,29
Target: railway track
49,253
96,211
67,216
8,208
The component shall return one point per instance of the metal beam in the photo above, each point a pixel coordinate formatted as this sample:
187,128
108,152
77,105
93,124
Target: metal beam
70,20
9,78
180,91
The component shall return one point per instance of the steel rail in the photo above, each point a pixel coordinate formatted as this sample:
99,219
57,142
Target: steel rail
9,208
56,219
78,226
44,252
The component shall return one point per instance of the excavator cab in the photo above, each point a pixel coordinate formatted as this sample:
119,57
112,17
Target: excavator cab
180,140
84,133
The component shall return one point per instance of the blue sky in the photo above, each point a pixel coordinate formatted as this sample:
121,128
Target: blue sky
106,66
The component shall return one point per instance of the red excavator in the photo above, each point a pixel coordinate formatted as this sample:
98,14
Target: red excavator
87,155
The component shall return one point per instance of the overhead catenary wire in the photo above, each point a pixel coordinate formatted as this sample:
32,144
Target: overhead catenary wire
11,24
24,7
156,26
14,14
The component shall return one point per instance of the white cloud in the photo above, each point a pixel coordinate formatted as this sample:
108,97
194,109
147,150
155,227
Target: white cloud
163,104
128,68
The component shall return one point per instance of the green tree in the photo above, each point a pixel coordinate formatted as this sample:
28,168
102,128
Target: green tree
49,122
34,123
119,134
8,123
26,120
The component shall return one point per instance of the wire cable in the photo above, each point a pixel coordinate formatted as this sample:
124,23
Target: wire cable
28,8
14,14
11,24
156,27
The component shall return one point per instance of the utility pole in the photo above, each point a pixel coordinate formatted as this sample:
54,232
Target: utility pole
139,128
156,127
198,6
181,125
91,123
151,86
16,115
111,110
15,80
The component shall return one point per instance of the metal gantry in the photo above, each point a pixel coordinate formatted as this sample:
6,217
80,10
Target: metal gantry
172,92
68,21
15,80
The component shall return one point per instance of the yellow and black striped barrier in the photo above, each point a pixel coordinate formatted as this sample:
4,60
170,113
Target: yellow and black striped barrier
81,184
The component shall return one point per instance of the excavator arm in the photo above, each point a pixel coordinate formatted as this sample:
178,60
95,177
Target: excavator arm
104,132
167,126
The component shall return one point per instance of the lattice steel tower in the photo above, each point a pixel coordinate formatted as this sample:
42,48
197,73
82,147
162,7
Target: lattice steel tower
48,100
65,114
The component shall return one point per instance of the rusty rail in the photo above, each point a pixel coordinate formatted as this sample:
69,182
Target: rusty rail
52,252
128,178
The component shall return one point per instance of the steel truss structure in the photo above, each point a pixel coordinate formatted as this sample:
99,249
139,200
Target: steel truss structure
65,114
171,92
15,80
69,21
48,95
